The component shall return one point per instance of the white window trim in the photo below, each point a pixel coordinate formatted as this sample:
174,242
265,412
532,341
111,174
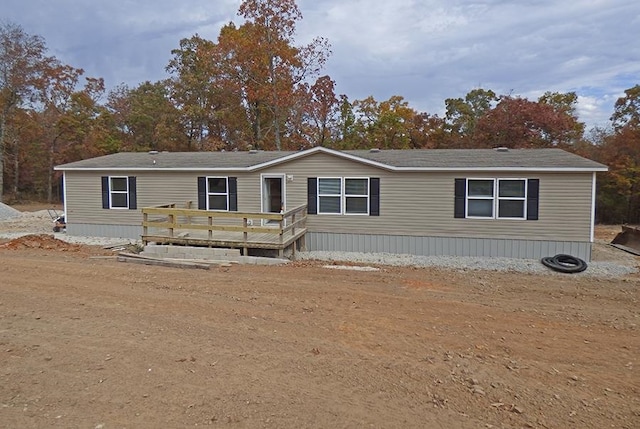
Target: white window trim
496,198
330,195
344,195
467,198
111,192
523,199
226,194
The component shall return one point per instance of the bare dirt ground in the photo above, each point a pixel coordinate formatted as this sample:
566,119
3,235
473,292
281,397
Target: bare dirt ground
88,342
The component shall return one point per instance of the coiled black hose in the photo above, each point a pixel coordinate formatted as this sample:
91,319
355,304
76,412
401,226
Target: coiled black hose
564,263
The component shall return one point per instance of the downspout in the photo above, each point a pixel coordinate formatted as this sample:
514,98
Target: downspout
64,196
593,206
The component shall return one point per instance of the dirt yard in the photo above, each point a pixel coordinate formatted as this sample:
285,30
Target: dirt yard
88,342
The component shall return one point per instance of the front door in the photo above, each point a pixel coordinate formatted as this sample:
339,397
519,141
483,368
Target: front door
273,194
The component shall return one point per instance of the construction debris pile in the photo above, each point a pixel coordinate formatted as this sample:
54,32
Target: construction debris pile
12,220
40,241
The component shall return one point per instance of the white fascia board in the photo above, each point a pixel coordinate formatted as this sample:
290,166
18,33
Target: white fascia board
383,166
533,169
150,169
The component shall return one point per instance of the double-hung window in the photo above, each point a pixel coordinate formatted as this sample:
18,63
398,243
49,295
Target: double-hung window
217,193
480,197
496,198
512,198
356,196
330,195
348,195
119,192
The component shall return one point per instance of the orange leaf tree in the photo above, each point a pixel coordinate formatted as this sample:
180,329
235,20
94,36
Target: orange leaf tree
21,60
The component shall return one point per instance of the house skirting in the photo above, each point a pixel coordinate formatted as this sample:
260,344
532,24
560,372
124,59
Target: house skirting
445,246
133,232
399,244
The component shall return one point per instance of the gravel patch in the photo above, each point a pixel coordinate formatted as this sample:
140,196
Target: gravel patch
618,263
40,222
7,212
466,263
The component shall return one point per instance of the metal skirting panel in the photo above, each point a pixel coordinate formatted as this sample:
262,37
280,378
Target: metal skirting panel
97,230
445,246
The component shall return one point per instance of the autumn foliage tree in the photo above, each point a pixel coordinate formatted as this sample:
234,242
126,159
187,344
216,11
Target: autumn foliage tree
462,115
520,123
21,59
619,191
253,87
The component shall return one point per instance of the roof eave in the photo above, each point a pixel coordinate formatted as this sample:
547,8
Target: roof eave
386,167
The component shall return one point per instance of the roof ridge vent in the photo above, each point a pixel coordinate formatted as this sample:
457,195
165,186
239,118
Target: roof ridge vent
502,149
153,152
374,150
252,151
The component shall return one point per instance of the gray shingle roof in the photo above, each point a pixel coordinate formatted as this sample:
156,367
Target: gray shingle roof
418,159
479,158
191,160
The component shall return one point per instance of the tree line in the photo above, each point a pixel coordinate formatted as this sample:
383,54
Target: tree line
254,88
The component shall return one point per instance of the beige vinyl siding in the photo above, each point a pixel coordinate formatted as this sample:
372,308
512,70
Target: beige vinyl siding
84,194
411,203
421,204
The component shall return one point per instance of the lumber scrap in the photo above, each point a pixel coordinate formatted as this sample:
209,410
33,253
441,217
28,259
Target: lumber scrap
147,260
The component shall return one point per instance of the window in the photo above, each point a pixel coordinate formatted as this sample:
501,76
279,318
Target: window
330,195
356,196
512,197
119,192
480,197
496,198
343,196
217,193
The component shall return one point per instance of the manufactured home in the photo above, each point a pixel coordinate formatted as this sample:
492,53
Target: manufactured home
522,203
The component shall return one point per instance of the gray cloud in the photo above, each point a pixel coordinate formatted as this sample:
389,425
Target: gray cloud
423,50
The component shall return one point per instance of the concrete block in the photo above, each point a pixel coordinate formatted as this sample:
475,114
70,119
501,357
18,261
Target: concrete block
155,248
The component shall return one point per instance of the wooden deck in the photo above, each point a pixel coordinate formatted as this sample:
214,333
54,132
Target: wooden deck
169,224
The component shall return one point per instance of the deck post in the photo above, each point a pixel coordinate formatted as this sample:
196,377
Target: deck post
244,235
172,221
187,205
293,224
210,223
145,218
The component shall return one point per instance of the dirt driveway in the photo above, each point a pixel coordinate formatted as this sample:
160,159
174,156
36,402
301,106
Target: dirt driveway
93,343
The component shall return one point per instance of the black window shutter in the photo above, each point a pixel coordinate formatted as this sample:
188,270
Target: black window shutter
202,193
460,194
374,196
105,192
133,198
533,193
233,194
312,195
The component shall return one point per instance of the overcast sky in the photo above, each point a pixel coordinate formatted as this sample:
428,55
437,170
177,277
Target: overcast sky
423,50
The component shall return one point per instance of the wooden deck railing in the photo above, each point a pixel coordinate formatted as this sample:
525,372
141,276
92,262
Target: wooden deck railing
240,229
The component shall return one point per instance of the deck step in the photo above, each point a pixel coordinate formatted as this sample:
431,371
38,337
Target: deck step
194,254
191,252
